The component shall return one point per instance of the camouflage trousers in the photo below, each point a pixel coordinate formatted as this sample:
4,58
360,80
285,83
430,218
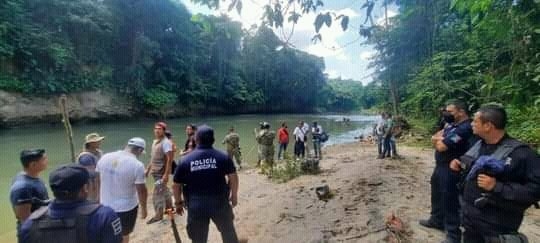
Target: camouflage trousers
235,155
266,157
161,196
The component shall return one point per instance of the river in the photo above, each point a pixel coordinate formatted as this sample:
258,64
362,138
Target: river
53,139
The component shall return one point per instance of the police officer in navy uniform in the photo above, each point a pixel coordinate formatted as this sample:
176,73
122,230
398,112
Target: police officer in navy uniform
71,217
494,203
450,143
211,183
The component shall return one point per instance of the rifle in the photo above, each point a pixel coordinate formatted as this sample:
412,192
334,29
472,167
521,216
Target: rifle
170,213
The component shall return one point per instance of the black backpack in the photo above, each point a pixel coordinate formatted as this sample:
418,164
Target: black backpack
72,229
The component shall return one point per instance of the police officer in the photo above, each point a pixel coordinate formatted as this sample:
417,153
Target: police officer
211,183
449,143
494,203
232,140
265,138
28,192
71,217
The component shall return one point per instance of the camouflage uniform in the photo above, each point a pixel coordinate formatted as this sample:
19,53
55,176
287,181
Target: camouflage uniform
265,139
232,140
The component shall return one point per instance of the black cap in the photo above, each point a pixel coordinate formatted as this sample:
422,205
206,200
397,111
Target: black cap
68,178
29,155
205,135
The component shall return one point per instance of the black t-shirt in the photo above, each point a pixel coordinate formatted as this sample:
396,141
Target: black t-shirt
517,188
203,172
457,138
190,143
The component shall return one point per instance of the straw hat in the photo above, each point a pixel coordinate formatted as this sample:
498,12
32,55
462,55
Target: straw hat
92,138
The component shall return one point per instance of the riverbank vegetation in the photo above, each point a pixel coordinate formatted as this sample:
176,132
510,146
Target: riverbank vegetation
160,54
479,51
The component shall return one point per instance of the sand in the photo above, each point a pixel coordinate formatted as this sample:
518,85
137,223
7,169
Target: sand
366,190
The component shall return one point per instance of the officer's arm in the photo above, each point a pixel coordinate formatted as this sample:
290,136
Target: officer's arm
22,211
456,138
523,193
233,184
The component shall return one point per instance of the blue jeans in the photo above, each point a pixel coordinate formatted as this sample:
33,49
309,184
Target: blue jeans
389,145
202,209
282,148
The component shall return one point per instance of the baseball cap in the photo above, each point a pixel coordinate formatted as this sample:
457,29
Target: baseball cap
68,178
205,135
138,142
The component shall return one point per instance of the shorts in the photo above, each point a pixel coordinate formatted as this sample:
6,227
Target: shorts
128,219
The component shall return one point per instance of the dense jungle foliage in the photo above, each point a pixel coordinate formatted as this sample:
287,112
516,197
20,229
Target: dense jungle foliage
433,50
159,53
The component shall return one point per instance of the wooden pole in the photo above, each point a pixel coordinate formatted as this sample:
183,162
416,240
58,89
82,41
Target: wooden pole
67,125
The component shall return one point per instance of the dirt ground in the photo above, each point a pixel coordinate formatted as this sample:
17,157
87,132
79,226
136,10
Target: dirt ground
366,190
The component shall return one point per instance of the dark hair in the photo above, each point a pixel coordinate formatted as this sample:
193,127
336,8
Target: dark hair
495,114
168,134
459,104
31,155
283,124
192,126
66,195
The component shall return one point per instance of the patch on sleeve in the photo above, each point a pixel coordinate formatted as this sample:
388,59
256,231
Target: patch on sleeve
455,138
117,226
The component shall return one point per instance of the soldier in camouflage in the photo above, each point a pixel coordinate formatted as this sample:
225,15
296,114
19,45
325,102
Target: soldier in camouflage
265,138
232,140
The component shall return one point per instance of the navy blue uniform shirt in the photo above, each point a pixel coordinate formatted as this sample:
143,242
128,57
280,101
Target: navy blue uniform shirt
203,172
517,188
457,137
26,189
103,224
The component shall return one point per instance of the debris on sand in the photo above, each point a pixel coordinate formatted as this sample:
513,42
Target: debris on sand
323,193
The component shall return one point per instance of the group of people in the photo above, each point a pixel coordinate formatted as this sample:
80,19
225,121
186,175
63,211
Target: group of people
385,130
98,198
483,180
265,139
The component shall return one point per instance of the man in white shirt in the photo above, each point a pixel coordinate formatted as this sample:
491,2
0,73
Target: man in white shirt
123,184
317,132
307,131
300,136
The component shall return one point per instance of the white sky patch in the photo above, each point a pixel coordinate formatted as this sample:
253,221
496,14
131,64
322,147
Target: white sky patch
380,20
344,54
367,55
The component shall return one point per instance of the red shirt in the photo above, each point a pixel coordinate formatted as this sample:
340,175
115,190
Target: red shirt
283,135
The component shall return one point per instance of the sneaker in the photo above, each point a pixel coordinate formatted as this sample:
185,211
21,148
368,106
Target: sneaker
153,220
430,224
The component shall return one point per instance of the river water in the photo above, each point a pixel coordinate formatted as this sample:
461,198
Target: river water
53,140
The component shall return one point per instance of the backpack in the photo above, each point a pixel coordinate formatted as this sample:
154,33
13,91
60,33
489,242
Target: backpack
323,137
61,230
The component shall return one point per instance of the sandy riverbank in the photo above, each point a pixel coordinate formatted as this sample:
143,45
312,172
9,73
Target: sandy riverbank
366,191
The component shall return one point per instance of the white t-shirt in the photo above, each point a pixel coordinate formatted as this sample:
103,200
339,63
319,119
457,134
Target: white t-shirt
166,145
313,130
305,128
119,172
299,134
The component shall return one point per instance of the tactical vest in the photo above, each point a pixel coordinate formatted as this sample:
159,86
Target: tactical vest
61,230
507,146
267,137
233,140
